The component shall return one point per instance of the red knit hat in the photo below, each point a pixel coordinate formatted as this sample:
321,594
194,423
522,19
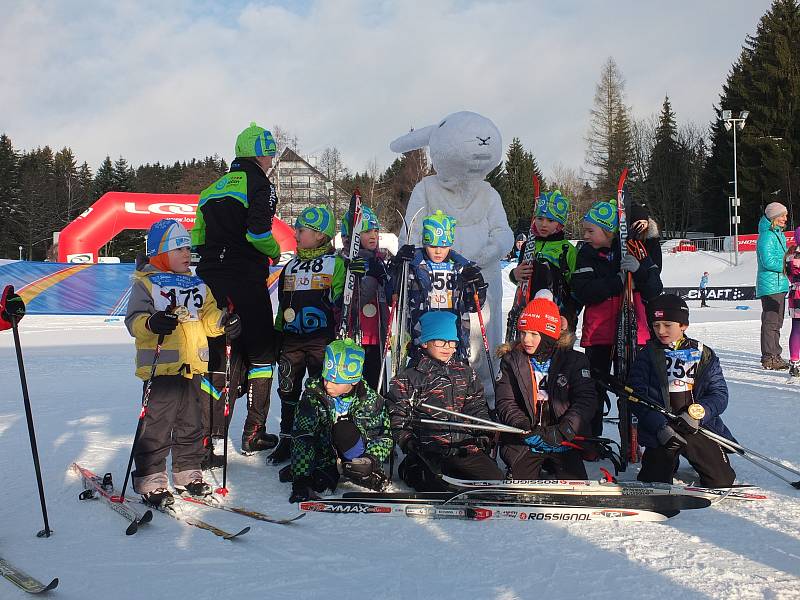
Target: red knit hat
541,315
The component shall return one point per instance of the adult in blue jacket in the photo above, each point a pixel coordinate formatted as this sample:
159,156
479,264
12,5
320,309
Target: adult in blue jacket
684,376
772,283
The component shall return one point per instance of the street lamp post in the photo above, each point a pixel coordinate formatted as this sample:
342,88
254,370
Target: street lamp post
20,252
735,123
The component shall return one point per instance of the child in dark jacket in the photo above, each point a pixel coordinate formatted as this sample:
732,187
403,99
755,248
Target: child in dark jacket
440,380
440,279
685,377
598,284
545,388
339,418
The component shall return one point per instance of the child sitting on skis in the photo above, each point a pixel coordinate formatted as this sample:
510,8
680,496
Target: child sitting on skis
544,388
339,416
598,284
172,309
373,315
554,256
684,376
439,379
309,291
440,279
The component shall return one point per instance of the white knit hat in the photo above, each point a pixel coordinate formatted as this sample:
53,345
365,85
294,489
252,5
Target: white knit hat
775,210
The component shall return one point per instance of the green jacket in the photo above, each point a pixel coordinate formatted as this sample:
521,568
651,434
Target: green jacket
770,252
312,444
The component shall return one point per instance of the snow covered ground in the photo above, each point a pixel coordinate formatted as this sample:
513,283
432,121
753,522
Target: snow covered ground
86,400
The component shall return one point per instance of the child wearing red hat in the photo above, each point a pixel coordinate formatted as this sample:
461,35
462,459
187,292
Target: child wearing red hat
545,388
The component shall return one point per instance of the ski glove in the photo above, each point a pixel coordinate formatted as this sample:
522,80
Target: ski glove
233,326
546,439
301,491
405,253
471,276
685,424
162,322
358,265
11,307
670,439
629,264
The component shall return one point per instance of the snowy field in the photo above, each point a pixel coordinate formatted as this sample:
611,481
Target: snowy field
86,400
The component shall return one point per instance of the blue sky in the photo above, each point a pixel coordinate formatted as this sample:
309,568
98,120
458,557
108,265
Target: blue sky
166,81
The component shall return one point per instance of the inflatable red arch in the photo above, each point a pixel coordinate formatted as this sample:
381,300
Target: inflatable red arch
81,240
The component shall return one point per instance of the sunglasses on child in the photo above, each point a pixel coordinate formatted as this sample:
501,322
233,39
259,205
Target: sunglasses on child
443,343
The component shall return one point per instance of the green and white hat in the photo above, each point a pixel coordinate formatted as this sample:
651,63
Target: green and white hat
255,141
438,229
344,362
369,221
319,218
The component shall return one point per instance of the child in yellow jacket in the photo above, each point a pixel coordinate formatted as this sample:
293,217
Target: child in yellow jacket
171,306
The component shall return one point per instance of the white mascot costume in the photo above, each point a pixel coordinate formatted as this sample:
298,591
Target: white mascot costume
464,148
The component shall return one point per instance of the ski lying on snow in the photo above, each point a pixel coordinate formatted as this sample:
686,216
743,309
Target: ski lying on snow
24,581
253,514
621,488
178,515
103,488
505,497
480,512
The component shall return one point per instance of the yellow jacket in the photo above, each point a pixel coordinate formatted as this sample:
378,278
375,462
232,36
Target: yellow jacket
185,350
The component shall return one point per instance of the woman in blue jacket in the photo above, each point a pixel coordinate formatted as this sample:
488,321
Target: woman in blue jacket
772,283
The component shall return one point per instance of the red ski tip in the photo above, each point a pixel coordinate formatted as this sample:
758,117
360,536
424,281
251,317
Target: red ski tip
117,499
221,491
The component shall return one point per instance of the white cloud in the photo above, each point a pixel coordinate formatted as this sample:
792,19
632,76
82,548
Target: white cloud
175,80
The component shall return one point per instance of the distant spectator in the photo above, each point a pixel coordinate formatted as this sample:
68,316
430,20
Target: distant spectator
518,244
772,283
704,289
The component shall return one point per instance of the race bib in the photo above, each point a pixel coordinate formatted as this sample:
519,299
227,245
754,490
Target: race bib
681,368
442,285
314,274
186,293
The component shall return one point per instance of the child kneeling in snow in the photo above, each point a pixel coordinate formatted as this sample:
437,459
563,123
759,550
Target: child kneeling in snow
685,377
441,380
171,307
545,388
339,416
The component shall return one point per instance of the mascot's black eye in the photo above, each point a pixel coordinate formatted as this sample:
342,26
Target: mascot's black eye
442,123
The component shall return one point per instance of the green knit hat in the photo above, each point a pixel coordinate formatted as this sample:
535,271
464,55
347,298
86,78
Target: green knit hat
319,218
255,141
604,215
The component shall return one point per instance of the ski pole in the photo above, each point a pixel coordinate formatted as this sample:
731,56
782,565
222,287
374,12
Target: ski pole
145,400
623,390
483,331
46,532
470,417
223,490
386,344
496,428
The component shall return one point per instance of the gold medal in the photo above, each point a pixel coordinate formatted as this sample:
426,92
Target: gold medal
289,315
369,310
696,411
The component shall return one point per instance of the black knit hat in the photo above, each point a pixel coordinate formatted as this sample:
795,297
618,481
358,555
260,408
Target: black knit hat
668,307
638,212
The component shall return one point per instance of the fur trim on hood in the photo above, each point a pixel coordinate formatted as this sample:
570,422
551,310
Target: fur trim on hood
565,342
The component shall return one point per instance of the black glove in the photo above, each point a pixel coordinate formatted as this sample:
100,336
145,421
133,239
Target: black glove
685,424
301,491
670,439
162,322
11,307
471,276
405,253
358,265
233,326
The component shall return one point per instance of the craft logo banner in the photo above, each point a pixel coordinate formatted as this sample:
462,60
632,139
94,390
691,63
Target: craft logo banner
730,294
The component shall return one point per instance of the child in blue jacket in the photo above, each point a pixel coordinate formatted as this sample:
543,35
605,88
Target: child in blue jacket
685,377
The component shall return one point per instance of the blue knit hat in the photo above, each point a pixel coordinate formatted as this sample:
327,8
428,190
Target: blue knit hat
604,215
344,362
166,235
553,206
438,325
319,218
438,230
369,221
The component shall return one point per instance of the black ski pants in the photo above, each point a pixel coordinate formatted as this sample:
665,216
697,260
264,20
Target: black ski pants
560,465
599,359
706,456
172,423
421,472
372,366
773,308
300,354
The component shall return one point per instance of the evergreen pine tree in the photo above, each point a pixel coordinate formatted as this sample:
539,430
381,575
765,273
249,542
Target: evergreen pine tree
516,187
9,195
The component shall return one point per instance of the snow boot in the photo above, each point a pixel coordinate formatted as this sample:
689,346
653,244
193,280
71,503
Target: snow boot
282,452
779,364
211,460
257,441
198,488
159,498
254,437
794,368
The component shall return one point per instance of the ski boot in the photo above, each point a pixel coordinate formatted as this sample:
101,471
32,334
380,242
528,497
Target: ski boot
198,488
212,460
257,441
282,452
159,498
794,369
779,364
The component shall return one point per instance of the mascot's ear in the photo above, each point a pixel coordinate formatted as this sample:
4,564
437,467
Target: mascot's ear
413,140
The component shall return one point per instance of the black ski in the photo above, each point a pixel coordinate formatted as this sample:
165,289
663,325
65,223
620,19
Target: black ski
349,326
24,581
